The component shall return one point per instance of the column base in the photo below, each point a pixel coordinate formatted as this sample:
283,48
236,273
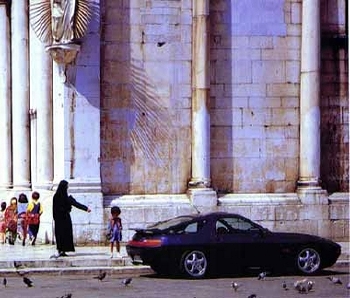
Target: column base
22,186
199,183
312,195
202,198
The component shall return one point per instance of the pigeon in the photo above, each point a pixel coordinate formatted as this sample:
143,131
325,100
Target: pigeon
235,285
252,296
4,282
335,280
101,276
69,295
301,286
27,281
262,275
127,281
302,289
299,282
310,285
284,286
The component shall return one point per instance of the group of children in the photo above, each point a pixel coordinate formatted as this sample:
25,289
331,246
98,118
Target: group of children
20,218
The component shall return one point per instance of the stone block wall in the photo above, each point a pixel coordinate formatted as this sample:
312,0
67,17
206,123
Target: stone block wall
254,96
255,62
146,90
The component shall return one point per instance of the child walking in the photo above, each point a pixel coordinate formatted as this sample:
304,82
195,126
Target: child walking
115,227
22,220
11,221
35,210
2,222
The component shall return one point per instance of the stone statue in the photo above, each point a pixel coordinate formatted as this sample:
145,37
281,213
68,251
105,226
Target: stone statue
61,21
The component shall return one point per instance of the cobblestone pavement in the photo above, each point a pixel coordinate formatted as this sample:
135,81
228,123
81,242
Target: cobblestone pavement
152,286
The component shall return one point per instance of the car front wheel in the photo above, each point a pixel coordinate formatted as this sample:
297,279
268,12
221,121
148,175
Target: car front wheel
194,264
308,261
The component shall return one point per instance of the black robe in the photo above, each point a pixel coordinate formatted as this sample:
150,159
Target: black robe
62,206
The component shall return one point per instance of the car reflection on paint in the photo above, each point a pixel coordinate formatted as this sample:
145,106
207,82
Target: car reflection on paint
219,242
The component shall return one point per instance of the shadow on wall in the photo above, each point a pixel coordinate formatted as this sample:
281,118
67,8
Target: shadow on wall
334,97
151,123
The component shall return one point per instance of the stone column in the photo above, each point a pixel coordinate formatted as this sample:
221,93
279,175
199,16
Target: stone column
310,95
5,97
309,190
41,120
200,181
200,95
20,94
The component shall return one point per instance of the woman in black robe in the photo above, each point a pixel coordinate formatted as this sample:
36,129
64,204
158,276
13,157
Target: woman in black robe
62,206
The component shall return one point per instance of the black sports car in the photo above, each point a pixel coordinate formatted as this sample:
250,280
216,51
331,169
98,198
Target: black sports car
219,242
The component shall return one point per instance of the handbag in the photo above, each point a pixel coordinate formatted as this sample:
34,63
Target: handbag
33,218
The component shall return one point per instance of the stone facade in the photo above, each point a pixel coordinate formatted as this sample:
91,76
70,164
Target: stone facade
175,106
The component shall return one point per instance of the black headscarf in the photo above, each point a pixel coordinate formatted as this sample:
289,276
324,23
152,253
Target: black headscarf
61,203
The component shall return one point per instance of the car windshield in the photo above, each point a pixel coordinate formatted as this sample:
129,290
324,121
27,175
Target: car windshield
162,225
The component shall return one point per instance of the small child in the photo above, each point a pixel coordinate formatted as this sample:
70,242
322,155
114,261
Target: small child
34,207
22,221
115,227
2,222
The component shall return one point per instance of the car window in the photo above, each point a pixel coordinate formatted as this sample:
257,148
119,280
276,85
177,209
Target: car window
232,224
162,225
190,228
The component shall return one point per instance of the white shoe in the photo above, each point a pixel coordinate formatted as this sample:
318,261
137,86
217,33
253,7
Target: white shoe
119,255
111,255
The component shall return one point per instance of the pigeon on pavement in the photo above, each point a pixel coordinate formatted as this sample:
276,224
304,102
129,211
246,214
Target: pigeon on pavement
262,275
252,296
4,282
27,281
235,285
310,285
302,286
284,286
101,276
335,280
127,281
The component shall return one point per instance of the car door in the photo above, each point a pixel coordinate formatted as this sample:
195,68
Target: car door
227,245
245,243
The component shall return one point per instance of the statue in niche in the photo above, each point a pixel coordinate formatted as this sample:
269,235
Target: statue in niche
60,24
61,21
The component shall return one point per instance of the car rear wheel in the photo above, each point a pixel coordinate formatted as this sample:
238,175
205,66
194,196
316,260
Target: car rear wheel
308,261
194,264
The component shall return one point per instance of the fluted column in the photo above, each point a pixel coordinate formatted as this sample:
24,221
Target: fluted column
200,96
310,95
5,97
41,114
20,94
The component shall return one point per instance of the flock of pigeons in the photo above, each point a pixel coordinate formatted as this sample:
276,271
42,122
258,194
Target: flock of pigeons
29,283
302,286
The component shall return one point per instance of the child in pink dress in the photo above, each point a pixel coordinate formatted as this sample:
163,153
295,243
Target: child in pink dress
2,222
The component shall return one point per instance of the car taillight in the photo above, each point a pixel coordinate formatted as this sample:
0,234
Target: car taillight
146,243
